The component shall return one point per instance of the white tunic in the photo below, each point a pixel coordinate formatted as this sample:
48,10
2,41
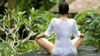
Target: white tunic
63,31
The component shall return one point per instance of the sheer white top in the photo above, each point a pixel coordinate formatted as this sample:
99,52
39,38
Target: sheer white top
63,31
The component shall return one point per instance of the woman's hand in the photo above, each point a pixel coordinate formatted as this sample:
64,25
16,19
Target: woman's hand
40,36
82,35
37,38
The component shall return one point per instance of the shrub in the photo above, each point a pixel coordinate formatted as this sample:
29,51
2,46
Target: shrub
35,24
90,26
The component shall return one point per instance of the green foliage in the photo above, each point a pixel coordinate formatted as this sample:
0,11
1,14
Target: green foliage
6,5
90,26
22,48
40,19
27,46
6,50
37,4
36,22
82,15
91,41
24,4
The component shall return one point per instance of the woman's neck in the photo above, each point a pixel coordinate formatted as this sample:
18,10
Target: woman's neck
63,17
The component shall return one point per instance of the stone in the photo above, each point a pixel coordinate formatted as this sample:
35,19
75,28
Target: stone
91,55
88,48
40,52
82,51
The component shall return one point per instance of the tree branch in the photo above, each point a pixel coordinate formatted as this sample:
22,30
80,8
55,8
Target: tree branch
1,39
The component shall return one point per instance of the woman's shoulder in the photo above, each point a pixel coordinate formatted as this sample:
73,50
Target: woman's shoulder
73,20
54,19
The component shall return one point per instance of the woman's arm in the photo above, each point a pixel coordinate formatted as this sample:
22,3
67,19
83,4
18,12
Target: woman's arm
47,32
40,36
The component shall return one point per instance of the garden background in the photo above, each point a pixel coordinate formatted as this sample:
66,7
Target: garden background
25,19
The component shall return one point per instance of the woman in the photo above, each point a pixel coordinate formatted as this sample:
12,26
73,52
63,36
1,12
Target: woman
63,29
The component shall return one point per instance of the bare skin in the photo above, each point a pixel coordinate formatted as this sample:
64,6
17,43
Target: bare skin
45,44
63,17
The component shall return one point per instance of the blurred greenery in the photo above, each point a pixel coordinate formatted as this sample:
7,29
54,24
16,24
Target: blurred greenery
90,26
27,15
37,4
37,22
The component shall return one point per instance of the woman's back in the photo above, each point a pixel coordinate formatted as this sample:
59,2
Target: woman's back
63,32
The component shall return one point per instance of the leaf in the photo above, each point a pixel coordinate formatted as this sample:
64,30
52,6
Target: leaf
4,17
30,19
6,5
88,20
32,9
17,36
11,36
24,30
20,13
1,16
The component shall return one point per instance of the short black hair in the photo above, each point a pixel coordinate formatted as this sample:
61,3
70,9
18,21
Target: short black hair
63,8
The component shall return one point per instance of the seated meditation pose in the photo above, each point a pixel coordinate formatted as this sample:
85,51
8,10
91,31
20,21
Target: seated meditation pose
63,29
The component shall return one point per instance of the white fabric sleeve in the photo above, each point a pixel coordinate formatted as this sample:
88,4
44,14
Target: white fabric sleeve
49,30
76,33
